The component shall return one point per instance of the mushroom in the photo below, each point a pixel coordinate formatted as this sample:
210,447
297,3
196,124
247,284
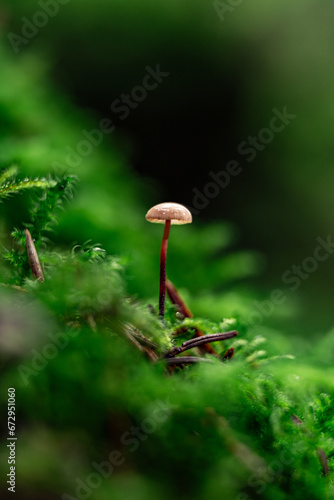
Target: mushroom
166,213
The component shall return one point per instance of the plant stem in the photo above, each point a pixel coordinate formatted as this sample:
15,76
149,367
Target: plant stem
177,300
203,339
185,359
182,307
33,257
163,255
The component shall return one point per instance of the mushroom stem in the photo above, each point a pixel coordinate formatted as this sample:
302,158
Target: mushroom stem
163,255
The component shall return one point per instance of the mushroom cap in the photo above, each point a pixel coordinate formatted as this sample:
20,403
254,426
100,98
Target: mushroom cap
176,213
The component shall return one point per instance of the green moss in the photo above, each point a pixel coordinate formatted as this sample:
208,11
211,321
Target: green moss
77,346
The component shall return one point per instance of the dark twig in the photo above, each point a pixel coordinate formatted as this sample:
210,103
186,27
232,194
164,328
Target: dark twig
33,257
245,455
320,452
324,461
139,340
182,308
296,420
228,354
177,300
185,359
144,341
203,339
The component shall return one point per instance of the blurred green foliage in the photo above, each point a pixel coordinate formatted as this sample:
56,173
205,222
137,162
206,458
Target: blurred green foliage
229,67
109,206
257,426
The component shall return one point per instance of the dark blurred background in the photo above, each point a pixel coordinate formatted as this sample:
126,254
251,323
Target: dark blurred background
229,67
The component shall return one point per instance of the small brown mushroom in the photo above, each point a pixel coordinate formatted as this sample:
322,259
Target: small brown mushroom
166,213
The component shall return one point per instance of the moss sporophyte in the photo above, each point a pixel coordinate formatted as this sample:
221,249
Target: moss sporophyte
166,213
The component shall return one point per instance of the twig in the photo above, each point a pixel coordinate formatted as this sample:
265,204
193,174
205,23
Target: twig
137,338
144,341
245,455
185,311
33,257
228,354
320,452
296,420
185,359
177,300
14,287
203,339
324,461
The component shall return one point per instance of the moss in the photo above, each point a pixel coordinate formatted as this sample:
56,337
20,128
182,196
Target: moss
98,411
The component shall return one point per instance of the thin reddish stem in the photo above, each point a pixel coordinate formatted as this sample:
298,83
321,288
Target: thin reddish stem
163,256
